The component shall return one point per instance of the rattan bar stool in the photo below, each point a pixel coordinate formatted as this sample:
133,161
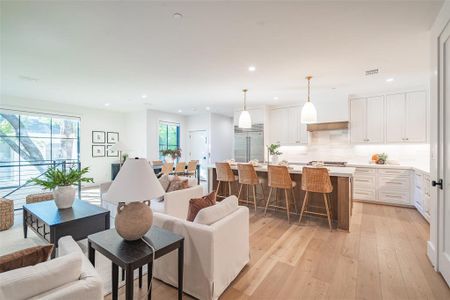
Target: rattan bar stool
166,169
225,175
192,168
247,176
6,214
180,168
279,178
316,180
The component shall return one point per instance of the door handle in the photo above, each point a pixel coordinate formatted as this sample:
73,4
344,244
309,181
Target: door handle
439,183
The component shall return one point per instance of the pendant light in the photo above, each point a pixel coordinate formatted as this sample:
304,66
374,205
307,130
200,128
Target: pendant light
245,121
309,112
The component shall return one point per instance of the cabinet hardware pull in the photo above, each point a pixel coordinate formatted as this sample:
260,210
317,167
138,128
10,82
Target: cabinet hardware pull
439,183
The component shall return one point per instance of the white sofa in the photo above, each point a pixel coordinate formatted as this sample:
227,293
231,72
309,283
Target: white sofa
175,203
70,277
214,254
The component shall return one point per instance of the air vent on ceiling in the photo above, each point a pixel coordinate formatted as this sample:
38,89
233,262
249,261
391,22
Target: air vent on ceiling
371,72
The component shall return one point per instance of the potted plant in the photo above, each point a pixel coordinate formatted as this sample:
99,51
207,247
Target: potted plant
273,151
61,182
171,154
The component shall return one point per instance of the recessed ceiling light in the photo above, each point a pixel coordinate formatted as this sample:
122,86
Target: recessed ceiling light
107,104
177,16
208,108
275,98
252,68
180,111
389,79
143,96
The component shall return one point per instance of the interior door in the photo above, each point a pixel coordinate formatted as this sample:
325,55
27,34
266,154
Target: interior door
415,119
199,150
443,190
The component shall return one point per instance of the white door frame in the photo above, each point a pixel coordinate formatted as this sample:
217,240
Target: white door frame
208,157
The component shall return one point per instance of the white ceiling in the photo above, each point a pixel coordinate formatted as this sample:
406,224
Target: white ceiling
92,53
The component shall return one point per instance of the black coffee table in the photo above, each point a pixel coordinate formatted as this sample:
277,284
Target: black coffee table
133,255
51,223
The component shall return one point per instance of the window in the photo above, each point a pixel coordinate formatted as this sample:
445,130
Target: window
31,143
169,136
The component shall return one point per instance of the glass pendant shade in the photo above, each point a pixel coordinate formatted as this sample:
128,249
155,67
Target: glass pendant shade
245,120
309,113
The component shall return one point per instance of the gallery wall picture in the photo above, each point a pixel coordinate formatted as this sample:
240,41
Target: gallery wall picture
113,137
111,153
98,137
98,150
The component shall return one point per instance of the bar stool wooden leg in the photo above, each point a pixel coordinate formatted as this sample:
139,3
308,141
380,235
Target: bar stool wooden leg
287,205
263,193
229,188
303,206
239,194
295,202
254,196
218,187
267,202
325,200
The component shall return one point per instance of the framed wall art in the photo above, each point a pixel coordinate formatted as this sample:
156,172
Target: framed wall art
112,137
98,150
98,137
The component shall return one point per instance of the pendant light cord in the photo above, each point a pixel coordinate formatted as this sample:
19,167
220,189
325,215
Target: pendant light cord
245,98
309,87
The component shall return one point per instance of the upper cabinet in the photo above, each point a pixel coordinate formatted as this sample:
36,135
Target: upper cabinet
394,118
406,118
285,127
366,120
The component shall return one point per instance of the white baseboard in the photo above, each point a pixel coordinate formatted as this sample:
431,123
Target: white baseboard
432,254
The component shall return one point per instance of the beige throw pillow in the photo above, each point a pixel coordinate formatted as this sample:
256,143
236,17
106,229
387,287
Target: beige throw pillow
177,184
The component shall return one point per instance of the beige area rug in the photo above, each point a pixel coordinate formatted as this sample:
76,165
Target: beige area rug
12,240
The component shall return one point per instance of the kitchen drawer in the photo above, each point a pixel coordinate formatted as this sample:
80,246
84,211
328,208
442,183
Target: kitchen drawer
393,172
364,182
359,194
394,197
393,183
427,185
365,172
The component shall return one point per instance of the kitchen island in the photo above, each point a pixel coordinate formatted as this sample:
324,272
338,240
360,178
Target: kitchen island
341,197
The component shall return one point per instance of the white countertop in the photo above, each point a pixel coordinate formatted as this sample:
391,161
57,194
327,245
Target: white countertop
297,169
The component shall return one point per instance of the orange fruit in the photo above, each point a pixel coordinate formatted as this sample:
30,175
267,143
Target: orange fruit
375,157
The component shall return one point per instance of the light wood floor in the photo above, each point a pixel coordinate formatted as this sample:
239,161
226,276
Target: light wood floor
383,257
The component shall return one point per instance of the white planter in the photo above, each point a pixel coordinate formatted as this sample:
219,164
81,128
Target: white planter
274,159
64,196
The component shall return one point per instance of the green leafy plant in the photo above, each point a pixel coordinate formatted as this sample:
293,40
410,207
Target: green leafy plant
174,153
273,149
55,177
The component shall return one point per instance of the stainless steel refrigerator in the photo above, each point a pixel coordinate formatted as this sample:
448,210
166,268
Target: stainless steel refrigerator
249,143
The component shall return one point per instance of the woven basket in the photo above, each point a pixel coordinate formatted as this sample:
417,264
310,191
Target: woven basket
34,198
6,214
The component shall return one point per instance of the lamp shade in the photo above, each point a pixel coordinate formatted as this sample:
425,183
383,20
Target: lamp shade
136,181
245,120
309,113
119,146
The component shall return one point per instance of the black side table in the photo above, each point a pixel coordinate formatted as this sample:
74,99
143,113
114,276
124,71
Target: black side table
133,255
51,223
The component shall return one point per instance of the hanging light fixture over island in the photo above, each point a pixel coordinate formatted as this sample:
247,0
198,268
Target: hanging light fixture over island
309,112
245,120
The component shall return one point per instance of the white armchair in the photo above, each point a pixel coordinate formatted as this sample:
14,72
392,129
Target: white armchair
174,203
213,256
70,277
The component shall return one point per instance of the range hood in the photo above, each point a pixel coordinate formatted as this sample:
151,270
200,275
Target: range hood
327,126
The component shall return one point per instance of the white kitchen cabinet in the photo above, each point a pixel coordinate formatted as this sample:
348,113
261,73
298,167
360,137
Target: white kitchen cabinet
416,117
286,128
406,117
422,195
366,120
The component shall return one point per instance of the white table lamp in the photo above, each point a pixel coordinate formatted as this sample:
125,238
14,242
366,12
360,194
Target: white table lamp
132,189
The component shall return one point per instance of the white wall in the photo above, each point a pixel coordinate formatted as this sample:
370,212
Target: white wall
222,135
153,119
136,133
91,119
